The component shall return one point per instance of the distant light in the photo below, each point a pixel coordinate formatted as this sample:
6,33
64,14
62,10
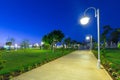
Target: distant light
6,46
16,45
84,20
12,46
87,38
42,43
30,46
36,44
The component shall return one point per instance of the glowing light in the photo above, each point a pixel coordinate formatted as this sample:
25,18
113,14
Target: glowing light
84,20
16,46
6,46
36,44
42,43
30,46
87,38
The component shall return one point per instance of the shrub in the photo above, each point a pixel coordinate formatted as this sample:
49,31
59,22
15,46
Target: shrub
2,48
114,74
22,70
10,77
119,72
118,45
1,62
46,46
118,78
110,69
1,77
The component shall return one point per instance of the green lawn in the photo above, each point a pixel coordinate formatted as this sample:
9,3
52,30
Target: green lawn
113,56
18,60
111,60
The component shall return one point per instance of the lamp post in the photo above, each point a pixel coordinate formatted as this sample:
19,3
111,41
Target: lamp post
85,20
54,41
89,38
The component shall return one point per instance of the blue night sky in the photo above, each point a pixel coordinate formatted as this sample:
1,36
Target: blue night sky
32,19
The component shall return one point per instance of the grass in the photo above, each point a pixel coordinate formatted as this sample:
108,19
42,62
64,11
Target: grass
17,60
111,59
113,56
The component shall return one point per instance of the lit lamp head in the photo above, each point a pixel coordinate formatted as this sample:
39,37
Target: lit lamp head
84,20
87,38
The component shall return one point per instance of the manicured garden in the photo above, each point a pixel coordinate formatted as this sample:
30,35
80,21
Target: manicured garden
21,61
110,58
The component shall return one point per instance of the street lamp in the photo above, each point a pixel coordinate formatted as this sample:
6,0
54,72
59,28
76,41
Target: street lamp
85,20
89,38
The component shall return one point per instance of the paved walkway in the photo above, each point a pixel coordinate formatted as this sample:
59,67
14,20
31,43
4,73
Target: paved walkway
79,65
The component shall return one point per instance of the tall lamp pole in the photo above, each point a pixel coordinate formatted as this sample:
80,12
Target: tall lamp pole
90,39
85,20
91,42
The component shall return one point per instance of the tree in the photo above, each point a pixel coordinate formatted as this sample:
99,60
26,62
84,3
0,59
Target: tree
56,35
105,37
118,29
73,43
106,32
53,37
46,39
115,35
9,44
24,44
10,41
67,41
